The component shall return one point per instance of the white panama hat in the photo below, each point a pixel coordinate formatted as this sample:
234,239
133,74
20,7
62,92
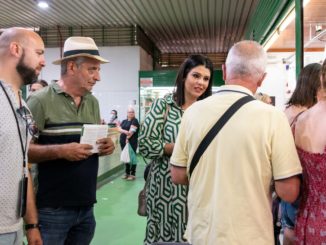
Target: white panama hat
80,46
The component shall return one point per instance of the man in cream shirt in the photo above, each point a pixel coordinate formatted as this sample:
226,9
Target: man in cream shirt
229,197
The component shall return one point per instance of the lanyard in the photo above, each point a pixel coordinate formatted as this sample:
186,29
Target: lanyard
18,128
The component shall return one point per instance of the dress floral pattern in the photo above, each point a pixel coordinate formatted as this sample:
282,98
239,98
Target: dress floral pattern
166,202
311,220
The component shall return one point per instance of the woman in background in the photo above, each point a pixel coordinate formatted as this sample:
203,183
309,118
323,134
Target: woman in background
309,132
114,118
304,96
37,85
166,202
264,98
129,134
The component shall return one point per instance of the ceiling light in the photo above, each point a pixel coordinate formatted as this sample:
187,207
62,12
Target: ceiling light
288,19
282,26
43,4
270,41
305,2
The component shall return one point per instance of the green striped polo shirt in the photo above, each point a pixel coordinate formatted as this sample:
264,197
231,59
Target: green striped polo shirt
59,120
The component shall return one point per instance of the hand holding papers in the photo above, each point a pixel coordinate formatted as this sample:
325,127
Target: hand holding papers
93,132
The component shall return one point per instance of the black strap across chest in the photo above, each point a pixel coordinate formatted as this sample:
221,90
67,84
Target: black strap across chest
215,129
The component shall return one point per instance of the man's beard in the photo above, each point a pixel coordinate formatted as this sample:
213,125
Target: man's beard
27,74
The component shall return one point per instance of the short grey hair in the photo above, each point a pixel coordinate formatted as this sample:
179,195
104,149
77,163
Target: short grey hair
246,58
78,60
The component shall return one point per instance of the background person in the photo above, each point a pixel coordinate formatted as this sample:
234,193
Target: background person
309,132
37,85
114,120
21,61
129,134
304,96
67,169
229,196
264,98
166,202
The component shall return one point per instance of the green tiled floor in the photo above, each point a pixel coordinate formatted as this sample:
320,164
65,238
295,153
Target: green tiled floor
116,212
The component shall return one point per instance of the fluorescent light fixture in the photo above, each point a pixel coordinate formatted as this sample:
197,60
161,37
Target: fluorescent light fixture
284,23
35,29
270,41
305,2
290,17
43,4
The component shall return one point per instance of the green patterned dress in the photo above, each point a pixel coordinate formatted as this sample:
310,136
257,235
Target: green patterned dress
166,202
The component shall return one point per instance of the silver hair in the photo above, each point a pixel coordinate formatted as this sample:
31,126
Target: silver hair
78,60
246,58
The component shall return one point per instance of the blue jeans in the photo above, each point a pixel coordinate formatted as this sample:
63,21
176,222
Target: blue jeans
67,225
289,214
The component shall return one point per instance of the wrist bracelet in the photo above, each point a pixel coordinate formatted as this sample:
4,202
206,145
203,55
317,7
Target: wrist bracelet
31,226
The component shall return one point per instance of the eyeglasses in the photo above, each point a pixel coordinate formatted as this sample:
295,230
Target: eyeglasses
28,118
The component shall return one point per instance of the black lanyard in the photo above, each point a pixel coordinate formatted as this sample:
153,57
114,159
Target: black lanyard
20,135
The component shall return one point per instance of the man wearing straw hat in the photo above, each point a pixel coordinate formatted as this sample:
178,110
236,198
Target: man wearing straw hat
68,169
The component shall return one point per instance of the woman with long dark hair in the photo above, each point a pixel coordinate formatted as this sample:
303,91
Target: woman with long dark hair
304,96
309,132
166,202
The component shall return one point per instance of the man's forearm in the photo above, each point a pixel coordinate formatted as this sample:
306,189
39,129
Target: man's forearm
31,218
288,189
39,153
179,175
31,211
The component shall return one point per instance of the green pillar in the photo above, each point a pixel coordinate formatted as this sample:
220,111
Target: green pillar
299,53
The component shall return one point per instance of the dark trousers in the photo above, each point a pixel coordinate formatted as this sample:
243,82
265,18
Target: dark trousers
63,226
131,169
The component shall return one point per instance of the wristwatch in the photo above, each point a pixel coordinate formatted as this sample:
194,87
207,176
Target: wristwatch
31,226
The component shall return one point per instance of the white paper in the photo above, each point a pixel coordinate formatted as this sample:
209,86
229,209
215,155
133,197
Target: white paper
93,132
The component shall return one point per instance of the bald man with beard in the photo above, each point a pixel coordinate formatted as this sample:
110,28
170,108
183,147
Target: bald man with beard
21,61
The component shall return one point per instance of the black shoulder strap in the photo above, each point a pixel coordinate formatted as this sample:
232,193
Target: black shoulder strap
215,129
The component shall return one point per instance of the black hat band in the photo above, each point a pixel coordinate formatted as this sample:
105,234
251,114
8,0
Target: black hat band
81,51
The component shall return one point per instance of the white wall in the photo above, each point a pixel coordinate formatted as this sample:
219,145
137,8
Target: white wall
118,87
280,80
274,83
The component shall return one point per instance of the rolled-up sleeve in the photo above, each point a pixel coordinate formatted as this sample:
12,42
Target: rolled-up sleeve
284,157
37,111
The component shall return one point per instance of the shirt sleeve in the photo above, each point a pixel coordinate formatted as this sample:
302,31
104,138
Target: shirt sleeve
37,110
151,142
97,114
180,151
284,158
